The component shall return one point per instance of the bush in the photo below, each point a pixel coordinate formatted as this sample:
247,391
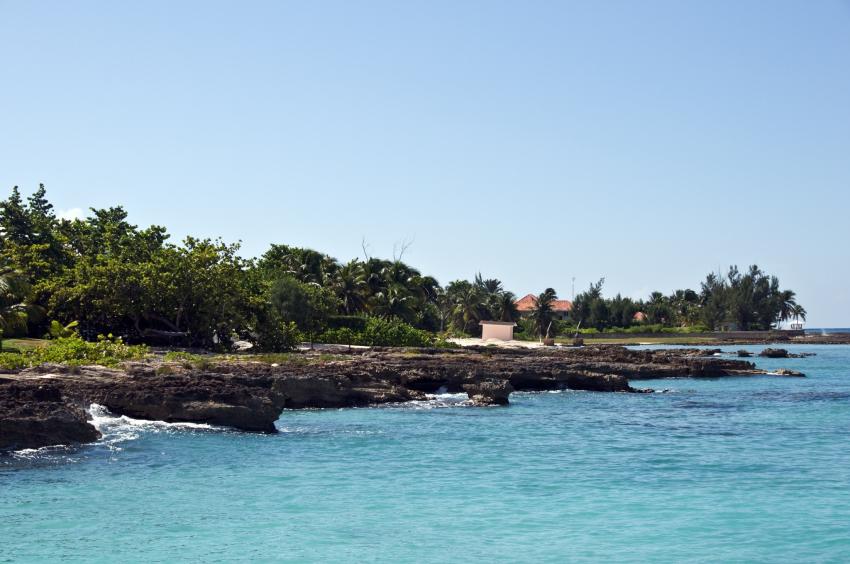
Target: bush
57,330
278,336
12,361
353,322
381,333
74,351
14,324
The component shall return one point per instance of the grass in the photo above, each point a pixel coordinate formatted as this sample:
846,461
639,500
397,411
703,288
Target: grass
21,345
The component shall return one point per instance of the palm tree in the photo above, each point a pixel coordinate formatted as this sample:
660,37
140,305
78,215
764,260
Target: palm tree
787,303
490,285
505,309
395,302
543,315
15,312
470,308
349,285
798,312
426,288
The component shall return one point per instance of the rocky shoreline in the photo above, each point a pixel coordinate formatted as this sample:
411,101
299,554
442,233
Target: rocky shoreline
46,405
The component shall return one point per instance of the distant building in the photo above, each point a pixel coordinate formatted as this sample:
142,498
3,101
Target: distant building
499,330
639,317
526,304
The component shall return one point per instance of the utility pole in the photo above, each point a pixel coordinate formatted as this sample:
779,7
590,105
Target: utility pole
573,298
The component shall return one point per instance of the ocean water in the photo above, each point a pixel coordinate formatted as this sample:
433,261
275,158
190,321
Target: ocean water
743,469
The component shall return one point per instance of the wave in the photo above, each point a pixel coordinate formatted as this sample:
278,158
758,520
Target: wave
432,401
118,429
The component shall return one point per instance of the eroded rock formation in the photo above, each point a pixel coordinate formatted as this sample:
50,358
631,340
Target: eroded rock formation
45,405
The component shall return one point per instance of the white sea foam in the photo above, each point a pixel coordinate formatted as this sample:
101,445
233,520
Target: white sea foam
120,428
46,452
432,401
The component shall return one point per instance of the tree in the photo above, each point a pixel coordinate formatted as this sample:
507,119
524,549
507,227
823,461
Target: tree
349,285
395,302
787,303
505,307
15,311
469,307
714,301
658,309
589,307
29,237
798,312
543,314
307,305
305,265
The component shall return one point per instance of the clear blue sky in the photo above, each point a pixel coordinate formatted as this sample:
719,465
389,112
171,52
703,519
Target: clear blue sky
646,142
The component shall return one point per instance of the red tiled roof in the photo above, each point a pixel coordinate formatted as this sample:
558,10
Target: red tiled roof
639,316
526,303
562,305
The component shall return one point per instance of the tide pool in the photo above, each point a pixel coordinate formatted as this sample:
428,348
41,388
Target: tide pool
749,469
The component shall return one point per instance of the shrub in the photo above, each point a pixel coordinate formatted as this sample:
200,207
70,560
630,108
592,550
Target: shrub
380,332
74,351
278,336
57,330
188,360
12,361
353,322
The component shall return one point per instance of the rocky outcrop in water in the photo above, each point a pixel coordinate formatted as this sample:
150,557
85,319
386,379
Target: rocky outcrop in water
45,405
489,392
783,353
36,415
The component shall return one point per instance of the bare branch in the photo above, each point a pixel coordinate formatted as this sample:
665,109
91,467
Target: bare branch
405,244
365,246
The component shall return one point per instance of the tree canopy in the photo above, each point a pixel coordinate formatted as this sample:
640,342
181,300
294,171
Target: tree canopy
107,275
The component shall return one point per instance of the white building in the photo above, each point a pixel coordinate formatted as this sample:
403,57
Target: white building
498,330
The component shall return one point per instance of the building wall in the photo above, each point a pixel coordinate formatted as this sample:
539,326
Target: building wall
501,332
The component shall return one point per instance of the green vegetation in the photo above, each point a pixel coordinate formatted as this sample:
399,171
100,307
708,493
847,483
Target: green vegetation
383,333
543,316
103,275
463,305
18,345
74,351
738,301
188,360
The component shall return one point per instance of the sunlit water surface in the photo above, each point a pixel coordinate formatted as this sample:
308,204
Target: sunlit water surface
743,469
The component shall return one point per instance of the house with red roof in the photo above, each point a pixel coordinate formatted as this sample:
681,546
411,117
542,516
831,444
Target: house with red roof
526,304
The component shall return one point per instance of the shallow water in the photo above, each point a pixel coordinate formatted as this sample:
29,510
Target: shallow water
743,469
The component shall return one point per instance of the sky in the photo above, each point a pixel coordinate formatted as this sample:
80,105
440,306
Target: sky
537,142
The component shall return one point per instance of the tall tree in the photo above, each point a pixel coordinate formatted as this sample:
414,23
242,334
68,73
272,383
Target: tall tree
543,314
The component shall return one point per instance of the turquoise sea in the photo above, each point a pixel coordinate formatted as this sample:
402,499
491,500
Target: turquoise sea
745,470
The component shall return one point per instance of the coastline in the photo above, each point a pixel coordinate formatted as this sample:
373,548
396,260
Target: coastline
46,405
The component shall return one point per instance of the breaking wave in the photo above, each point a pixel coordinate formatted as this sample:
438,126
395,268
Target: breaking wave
118,429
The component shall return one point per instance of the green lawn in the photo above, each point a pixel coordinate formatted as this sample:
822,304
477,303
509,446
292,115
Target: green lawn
18,345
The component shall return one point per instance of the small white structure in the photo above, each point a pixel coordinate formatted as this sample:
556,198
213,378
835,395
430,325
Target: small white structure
498,330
